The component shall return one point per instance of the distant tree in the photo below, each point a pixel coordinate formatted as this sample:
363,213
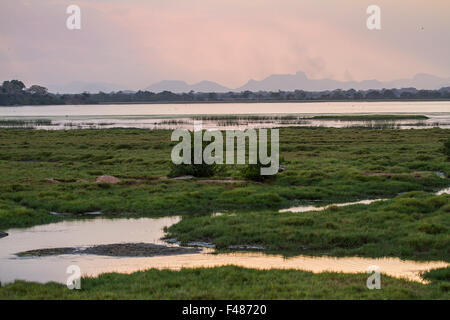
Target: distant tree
14,93
246,94
300,94
407,95
337,95
373,94
388,94
212,96
38,90
13,87
275,95
358,95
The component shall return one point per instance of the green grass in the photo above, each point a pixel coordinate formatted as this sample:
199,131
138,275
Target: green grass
227,283
411,226
324,165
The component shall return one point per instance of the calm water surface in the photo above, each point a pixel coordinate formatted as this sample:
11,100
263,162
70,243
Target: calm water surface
230,108
158,116
106,231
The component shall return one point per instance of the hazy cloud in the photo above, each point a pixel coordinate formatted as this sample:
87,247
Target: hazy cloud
135,43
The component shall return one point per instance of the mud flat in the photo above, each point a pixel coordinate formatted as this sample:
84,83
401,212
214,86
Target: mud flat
114,250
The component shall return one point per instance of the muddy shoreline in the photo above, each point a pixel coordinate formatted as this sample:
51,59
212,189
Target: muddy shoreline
114,250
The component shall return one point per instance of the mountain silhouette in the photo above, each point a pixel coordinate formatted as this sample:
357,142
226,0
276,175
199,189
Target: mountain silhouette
178,86
299,81
275,82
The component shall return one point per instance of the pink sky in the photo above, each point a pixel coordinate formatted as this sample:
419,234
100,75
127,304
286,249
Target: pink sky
135,42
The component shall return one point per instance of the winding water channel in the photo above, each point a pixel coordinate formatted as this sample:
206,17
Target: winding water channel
98,231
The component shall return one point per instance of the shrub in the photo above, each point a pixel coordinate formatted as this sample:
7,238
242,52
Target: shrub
196,170
253,172
432,228
447,149
442,274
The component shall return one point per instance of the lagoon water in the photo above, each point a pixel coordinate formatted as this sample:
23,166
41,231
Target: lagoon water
106,231
82,233
89,232
78,233
170,115
408,107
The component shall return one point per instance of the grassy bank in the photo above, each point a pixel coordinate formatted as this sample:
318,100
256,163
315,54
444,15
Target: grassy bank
55,171
412,226
44,171
228,283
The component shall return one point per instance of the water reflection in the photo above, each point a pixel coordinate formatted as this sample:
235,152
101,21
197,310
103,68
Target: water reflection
72,234
446,191
238,124
104,231
307,208
312,208
172,116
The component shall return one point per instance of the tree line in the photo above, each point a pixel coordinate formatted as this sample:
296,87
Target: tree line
14,93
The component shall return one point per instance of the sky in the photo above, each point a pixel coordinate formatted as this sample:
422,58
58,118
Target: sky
135,43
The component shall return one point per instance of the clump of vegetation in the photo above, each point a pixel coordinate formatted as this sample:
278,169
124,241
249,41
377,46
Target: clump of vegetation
196,170
439,277
447,149
253,172
442,274
432,228
193,169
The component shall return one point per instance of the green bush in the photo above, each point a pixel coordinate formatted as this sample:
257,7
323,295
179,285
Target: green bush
432,228
447,149
196,170
253,172
442,274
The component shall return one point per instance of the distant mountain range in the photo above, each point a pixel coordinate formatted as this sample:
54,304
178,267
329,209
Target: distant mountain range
299,81
283,82
178,86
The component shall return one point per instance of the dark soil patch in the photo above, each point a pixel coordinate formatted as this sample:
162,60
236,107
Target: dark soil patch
114,250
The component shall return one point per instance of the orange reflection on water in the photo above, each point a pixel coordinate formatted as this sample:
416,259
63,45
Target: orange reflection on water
389,266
